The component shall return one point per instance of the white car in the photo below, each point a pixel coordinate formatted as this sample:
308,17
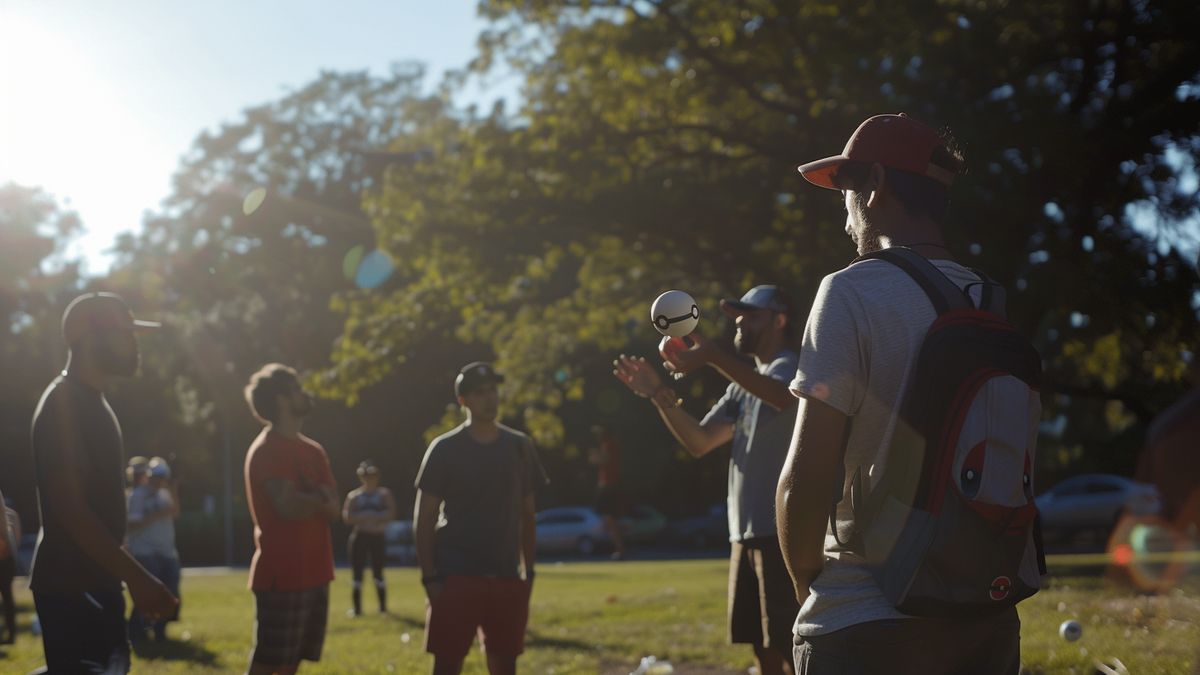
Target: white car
574,529
1094,502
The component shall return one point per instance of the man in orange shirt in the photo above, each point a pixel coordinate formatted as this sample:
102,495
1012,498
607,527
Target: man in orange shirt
292,498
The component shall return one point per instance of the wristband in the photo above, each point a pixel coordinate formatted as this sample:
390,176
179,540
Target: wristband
664,397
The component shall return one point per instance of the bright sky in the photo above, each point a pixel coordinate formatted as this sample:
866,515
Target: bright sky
101,99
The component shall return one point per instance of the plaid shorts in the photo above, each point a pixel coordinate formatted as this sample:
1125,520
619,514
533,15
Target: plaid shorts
290,626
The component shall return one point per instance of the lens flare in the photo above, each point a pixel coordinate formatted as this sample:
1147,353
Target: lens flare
376,267
350,263
253,200
1154,555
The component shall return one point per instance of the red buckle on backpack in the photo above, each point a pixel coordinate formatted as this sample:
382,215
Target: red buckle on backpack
1001,586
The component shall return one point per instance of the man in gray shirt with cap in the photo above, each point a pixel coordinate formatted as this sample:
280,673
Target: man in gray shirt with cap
756,413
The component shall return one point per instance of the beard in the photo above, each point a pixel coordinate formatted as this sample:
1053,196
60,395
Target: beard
304,408
745,341
867,238
111,361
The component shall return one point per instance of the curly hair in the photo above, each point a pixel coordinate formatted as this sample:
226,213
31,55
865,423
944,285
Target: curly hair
270,382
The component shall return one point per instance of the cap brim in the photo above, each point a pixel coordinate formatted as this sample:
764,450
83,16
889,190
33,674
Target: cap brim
735,308
821,172
146,326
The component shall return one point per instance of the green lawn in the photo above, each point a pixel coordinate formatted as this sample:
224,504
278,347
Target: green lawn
603,617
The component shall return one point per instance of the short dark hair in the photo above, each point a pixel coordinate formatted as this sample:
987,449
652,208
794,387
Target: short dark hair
922,195
271,381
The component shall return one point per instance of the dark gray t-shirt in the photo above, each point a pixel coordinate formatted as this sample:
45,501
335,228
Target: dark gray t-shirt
482,486
761,435
75,430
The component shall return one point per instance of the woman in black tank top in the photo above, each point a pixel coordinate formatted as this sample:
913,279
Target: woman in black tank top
368,510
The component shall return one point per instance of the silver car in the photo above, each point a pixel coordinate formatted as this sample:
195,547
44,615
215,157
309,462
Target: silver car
1093,503
570,529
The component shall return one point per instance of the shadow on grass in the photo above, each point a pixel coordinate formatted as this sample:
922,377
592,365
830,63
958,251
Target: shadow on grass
174,650
540,641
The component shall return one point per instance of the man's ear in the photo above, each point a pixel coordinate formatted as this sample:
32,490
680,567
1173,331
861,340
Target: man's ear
879,180
781,320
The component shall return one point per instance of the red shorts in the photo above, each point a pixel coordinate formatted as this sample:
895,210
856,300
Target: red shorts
497,609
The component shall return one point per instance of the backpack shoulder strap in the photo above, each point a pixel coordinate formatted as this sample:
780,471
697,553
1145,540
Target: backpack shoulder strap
992,297
943,293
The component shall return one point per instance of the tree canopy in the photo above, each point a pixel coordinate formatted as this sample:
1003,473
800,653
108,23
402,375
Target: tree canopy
371,233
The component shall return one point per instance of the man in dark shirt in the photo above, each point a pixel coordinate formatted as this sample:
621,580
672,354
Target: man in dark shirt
79,562
480,479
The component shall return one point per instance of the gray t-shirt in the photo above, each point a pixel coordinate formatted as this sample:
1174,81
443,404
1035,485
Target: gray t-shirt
761,435
862,340
157,538
482,486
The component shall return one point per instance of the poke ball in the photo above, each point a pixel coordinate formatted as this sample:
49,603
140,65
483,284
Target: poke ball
674,314
1070,630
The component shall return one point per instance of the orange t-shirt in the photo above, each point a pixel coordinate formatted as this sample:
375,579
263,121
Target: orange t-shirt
289,555
610,469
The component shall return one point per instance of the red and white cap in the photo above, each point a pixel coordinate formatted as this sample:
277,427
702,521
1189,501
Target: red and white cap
894,141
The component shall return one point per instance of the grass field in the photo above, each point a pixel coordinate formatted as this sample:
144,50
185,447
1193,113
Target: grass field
603,617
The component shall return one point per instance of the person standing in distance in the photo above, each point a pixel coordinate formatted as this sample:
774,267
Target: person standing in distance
610,499
79,461
292,498
474,530
153,509
368,510
863,338
756,414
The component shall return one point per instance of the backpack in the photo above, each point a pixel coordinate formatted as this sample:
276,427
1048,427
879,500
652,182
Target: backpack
950,528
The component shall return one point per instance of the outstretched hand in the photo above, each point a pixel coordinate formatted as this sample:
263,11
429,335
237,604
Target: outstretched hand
638,375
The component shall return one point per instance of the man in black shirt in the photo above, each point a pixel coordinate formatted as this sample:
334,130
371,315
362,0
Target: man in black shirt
474,531
79,562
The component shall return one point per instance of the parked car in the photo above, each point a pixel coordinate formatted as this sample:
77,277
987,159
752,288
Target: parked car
576,529
707,531
398,542
642,524
1094,503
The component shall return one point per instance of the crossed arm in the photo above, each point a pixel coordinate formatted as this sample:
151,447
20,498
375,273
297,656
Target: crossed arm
352,519
292,503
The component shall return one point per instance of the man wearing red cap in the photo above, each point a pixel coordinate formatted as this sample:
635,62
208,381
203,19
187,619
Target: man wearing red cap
864,332
79,460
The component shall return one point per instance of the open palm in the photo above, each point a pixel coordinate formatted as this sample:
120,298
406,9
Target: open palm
637,374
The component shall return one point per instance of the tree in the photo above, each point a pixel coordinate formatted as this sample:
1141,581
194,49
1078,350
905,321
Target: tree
656,148
37,280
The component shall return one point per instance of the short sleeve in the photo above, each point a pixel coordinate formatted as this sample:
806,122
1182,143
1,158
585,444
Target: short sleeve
434,475
831,366
782,368
326,473
265,465
725,410
534,474
136,508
